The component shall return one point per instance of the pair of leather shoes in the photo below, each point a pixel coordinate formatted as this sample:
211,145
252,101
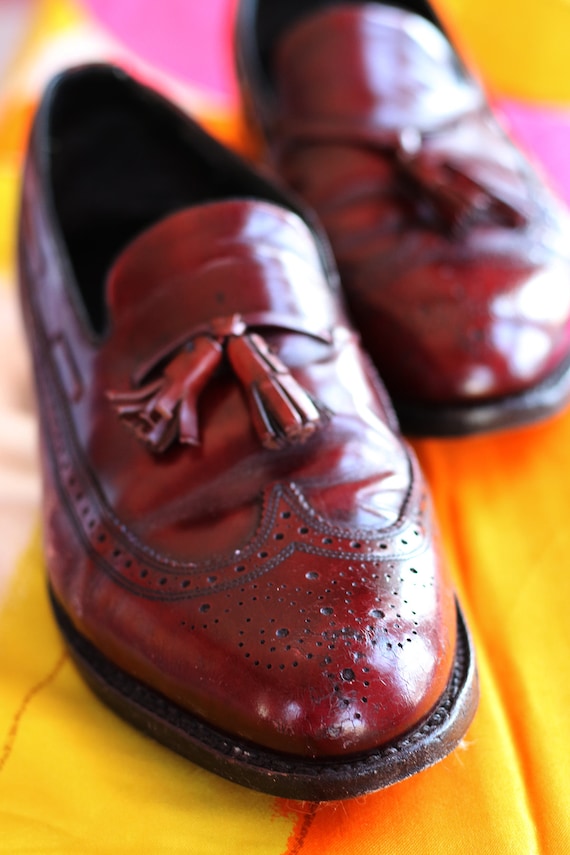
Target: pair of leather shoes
240,546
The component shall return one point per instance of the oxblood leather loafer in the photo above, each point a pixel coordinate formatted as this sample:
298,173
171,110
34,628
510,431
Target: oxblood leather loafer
454,256
239,545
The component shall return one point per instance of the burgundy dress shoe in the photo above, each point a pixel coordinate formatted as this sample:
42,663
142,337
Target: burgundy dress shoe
454,256
239,545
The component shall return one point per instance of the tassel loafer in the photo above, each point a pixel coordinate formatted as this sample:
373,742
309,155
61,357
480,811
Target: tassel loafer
453,253
240,548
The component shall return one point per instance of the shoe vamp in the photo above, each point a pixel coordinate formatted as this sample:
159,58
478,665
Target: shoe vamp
193,500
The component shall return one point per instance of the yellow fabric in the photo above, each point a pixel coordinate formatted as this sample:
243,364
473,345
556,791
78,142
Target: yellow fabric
76,779
8,191
522,47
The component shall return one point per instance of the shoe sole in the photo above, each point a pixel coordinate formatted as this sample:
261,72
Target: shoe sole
541,401
268,771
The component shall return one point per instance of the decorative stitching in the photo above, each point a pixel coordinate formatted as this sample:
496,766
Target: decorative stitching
128,562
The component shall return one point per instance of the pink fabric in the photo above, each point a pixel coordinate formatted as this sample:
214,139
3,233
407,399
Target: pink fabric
545,132
190,39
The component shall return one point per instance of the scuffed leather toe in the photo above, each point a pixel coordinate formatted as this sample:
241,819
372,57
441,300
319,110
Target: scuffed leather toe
477,349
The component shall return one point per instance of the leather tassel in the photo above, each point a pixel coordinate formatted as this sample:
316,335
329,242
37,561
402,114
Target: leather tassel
166,409
458,198
282,411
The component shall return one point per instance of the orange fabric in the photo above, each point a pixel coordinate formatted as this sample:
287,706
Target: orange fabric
503,504
75,779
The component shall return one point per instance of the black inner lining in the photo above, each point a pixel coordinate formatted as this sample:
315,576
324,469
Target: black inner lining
121,160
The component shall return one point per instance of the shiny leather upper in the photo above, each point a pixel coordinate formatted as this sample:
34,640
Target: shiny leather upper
288,593
454,255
